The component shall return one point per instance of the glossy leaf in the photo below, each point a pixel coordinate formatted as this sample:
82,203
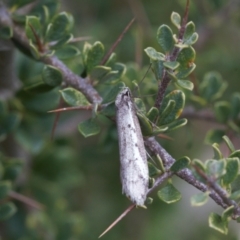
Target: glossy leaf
199,199
216,222
52,76
169,194
33,49
176,19
235,154
94,55
165,38
7,210
73,97
180,164
89,128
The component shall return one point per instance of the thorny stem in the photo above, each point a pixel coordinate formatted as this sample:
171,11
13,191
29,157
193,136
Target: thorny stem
70,78
173,56
216,192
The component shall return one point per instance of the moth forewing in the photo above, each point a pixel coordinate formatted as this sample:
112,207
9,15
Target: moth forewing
133,159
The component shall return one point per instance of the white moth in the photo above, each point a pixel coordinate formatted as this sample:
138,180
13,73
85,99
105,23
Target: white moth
133,159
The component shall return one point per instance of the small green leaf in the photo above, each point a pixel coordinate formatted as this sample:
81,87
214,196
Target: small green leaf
5,187
180,164
227,213
229,143
112,92
235,105
235,154
216,222
153,171
171,65
235,196
215,168
89,128
199,199
222,111
146,126
176,19
111,60
186,59
7,210
152,114
34,51
114,75
59,27
232,169
154,55
165,38
185,84
32,26
212,86
73,97
175,124
190,36
94,56
99,72
169,194
214,136
179,98
52,76
67,52
64,40
217,153
109,110
140,105
199,164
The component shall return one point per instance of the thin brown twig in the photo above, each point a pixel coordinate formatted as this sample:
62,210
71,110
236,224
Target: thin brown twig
28,201
105,58
89,107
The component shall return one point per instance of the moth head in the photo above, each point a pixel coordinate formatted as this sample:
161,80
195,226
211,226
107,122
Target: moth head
123,97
